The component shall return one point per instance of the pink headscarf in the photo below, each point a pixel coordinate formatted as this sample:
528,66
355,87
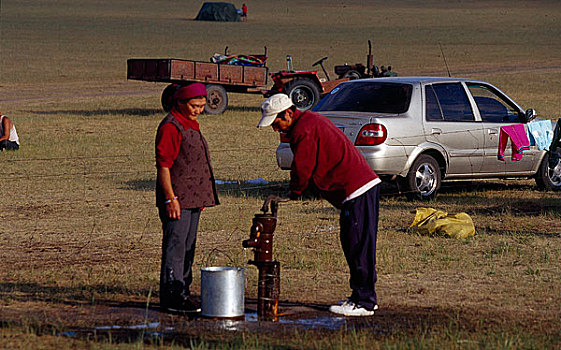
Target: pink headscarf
185,93
190,91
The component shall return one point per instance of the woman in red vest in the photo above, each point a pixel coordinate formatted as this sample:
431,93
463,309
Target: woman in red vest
185,185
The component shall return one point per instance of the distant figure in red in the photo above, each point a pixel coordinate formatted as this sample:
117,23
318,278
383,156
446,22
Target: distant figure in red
244,12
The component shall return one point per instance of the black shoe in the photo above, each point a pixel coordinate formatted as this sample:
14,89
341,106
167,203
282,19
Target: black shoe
185,305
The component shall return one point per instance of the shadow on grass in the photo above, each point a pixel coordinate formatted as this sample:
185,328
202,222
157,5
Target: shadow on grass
82,296
142,112
477,201
244,109
139,185
512,204
31,292
238,189
477,186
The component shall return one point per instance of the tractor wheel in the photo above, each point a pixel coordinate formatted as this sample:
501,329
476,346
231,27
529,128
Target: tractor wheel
167,96
217,99
304,93
352,75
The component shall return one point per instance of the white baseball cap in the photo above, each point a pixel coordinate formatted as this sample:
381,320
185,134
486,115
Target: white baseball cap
273,106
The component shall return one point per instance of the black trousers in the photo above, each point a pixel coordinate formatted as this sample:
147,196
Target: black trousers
178,252
359,230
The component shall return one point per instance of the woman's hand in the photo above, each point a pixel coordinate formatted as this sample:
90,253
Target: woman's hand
174,209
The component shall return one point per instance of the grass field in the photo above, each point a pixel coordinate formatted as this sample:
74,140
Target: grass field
79,233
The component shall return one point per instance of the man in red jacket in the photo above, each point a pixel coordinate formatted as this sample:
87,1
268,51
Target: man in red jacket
325,158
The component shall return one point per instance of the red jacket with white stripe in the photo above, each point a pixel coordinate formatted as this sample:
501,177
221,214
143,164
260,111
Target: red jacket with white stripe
324,156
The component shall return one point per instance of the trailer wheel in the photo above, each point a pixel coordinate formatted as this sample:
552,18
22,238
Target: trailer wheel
167,96
304,93
217,99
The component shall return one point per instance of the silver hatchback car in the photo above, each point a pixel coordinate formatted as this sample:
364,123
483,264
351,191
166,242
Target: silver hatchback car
421,130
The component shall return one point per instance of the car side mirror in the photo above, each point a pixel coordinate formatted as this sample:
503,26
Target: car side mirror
530,114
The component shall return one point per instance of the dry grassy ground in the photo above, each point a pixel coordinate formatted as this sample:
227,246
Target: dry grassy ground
79,234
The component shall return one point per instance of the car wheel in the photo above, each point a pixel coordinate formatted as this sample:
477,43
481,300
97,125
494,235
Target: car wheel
548,176
167,96
303,92
217,99
423,179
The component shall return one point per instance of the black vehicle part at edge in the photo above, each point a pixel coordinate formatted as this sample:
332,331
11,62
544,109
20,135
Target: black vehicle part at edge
548,177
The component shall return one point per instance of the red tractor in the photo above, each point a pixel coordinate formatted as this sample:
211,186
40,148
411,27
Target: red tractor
305,88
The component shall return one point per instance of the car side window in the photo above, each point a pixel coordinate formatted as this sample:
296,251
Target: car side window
433,110
492,108
450,100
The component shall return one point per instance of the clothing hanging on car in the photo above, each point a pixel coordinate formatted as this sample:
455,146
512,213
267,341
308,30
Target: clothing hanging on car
518,140
555,147
540,134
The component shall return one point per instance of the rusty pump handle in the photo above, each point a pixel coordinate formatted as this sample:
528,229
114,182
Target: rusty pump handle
273,201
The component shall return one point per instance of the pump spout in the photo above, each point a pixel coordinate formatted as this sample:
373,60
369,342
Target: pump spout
250,243
254,235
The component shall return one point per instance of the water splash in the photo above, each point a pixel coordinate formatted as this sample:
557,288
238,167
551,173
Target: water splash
316,322
151,325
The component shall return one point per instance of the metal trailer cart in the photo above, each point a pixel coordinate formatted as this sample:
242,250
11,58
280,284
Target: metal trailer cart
219,78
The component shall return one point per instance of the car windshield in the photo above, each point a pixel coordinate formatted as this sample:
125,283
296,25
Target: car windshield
367,96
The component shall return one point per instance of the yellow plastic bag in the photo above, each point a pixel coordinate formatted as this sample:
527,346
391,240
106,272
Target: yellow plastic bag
429,221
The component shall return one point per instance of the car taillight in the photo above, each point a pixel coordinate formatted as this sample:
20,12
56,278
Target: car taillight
371,135
284,137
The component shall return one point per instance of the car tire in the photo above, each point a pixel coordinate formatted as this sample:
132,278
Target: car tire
548,177
423,179
217,99
303,92
167,96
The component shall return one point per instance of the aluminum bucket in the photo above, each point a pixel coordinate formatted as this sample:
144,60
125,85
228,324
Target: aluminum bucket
222,292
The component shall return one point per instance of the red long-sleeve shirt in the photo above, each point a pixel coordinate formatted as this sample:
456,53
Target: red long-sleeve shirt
168,140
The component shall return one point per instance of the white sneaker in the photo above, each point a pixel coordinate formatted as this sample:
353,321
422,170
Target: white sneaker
350,308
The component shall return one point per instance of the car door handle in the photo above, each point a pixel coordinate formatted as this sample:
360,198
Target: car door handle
492,131
436,131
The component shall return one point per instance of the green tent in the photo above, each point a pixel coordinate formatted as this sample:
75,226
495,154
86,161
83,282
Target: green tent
218,11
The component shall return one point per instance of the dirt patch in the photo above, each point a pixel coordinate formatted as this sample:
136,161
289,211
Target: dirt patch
125,322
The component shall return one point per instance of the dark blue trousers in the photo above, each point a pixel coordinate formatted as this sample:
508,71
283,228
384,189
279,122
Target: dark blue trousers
8,145
178,252
359,229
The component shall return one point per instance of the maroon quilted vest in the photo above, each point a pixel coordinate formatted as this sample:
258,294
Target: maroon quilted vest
191,173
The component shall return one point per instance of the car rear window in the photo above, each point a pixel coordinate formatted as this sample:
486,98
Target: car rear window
367,96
